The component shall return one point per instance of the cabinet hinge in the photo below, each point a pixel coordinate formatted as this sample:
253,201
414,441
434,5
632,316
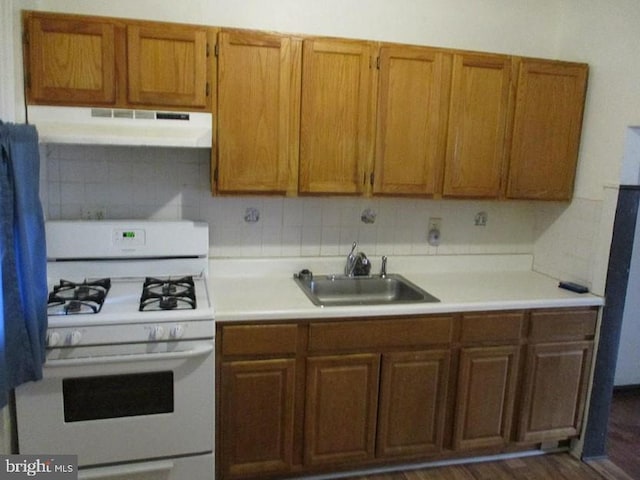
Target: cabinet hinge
216,49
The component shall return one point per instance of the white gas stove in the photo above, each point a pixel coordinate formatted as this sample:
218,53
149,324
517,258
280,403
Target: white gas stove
128,383
123,281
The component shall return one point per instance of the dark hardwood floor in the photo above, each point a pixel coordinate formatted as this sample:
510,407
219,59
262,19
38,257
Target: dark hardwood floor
623,449
623,439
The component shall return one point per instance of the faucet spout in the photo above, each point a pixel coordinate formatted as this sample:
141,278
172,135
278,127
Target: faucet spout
351,261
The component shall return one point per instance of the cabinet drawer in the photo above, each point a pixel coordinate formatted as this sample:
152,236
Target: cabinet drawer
394,332
259,339
568,324
498,327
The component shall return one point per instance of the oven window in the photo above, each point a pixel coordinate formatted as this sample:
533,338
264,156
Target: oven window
113,396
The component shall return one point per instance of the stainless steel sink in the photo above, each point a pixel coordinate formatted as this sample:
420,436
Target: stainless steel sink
339,290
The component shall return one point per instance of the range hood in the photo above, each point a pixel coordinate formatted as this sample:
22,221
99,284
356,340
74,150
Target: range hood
106,126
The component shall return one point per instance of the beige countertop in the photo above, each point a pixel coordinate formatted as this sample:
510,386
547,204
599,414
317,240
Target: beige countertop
263,289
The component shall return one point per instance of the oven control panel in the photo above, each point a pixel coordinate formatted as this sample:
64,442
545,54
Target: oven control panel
129,333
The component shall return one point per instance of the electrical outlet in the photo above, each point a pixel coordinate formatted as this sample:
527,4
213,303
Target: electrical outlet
481,219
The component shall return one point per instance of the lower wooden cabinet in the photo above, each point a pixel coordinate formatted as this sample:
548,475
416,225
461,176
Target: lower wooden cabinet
486,391
257,401
555,388
413,400
297,398
341,408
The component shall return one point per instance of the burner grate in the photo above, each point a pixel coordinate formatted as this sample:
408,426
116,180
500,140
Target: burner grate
168,294
69,298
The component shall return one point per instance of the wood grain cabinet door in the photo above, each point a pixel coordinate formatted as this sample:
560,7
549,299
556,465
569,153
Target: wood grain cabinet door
336,116
486,392
167,65
480,98
341,408
258,112
410,121
555,389
257,416
546,131
70,61
412,403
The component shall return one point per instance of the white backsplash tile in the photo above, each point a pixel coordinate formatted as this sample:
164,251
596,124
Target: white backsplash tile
161,183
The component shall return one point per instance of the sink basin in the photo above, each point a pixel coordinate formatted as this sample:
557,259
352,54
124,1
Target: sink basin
339,290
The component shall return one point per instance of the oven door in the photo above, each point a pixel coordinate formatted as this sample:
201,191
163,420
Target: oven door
120,403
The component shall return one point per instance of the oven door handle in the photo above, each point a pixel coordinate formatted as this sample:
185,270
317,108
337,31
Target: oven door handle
124,471
198,351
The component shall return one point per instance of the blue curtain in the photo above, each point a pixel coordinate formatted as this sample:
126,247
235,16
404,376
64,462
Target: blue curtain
23,290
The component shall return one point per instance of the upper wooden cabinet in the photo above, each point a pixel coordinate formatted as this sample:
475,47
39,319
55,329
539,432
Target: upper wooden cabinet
100,61
258,112
167,65
412,98
70,60
546,130
336,116
480,98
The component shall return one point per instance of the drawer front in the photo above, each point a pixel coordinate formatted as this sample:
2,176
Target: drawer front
566,324
498,327
259,339
394,332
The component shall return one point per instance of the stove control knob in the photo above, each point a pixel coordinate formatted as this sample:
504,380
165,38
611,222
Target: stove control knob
177,331
74,337
157,333
53,339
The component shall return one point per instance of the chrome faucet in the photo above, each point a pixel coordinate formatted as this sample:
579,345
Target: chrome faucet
383,267
357,263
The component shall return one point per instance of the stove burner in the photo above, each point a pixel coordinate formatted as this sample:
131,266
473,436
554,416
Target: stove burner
69,298
168,294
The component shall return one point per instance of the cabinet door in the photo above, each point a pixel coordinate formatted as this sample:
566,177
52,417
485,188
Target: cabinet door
336,116
486,391
411,115
341,408
555,389
256,413
480,93
167,65
412,403
70,61
258,112
546,131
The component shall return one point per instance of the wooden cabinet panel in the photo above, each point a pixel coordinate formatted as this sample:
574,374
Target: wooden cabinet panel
546,131
167,65
257,417
258,112
341,408
397,332
563,324
277,339
71,61
411,114
336,116
486,390
555,389
496,327
480,97
413,395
